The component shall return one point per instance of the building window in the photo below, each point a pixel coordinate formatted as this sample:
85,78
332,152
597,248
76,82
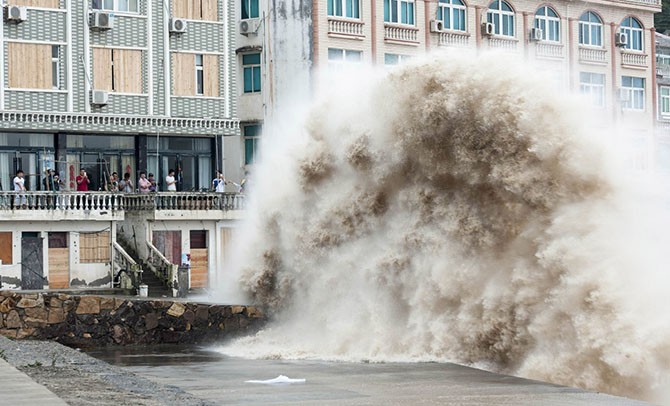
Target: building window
116,5
199,75
198,239
452,14
30,66
547,20
249,9
55,66
633,30
344,8
117,70
340,59
665,101
632,93
94,247
251,67
252,135
590,30
501,15
662,59
196,9
399,11
395,59
592,85
6,248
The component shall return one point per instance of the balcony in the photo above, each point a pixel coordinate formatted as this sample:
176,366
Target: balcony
400,34
345,28
548,51
593,56
105,206
633,60
453,39
503,44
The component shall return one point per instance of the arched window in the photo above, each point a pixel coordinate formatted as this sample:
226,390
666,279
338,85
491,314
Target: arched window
452,14
633,30
547,20
590,30
501,15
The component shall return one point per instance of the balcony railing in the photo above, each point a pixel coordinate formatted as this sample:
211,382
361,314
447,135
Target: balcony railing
184,201
546,50
454,39
64,201
504,44
346,27
634,59
401,33
593,55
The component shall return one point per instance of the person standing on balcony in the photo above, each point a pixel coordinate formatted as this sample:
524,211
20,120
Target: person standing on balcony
19,186
113,184
143,183
49,182
170,181
152,181
82,181
126,185
219,182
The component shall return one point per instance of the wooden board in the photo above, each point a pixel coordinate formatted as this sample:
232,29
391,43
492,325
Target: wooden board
127,70
95,247
210,10
6,247
37,3
211,75
199,267
169,244
102,69
29,66
59,268
183,74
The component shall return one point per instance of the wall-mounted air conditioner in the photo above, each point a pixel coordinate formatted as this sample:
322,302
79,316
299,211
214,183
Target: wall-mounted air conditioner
536,34
177,25
249,26
16,14
436,25
102,21
621,39
99,97
487,29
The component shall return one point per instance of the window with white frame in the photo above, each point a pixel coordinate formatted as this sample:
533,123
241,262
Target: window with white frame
632,93
251,69
592,85
662,59
664,101
590,30
395,59
399,11
344,8
633,30
130,6
501,15
252,136
452,14
55,66
340,59
199,75
249,9
547,20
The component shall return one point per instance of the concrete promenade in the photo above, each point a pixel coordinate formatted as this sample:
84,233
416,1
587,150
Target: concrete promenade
18,388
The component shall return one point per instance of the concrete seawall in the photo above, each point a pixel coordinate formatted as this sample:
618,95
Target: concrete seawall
88,321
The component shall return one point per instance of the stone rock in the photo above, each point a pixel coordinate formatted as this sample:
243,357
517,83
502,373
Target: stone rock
189,316
33,296
29,302
151,321
7,293
55,302
63,297
7,305
253,312
13,320
118,334
86,335
39,313
56,316
237,309
106,303
89,305
118,302
201,313
69,305
176,310
32,322
25,332
8,333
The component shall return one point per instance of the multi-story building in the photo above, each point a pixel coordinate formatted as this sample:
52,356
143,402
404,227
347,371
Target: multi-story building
112,86
662,144
602,48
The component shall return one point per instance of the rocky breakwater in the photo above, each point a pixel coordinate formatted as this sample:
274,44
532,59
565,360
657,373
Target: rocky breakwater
103,320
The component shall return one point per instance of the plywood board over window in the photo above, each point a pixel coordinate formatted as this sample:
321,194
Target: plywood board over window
102,69
195,9
59,261
36,3
6,247
199,267
29,66
211,75
183,74
209,10
117,70
95,247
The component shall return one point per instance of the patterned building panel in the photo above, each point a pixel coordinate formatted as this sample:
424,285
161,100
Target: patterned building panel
199,36
78,69
127,32
158,33
41,25
35,101
124,104
198,107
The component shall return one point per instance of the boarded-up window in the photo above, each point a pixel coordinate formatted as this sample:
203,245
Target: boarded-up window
6,247
57,240
59,261
199,267
198,239
117,70
195,9
36,3
94,247
30,66
185,80
169,244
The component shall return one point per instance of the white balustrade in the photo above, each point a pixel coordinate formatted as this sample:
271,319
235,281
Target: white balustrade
456,39
347,27
505,44
401,33
547,50
634,59
593,55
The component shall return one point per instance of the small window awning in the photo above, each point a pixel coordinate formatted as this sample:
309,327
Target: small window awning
248,48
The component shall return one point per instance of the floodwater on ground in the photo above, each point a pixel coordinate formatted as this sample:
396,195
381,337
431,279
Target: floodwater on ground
220,379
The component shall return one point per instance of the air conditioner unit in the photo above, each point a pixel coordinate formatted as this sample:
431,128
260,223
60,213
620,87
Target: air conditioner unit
99,97
487,29
102,20
16,14
536,34
621,39
436,25
249,26
177,25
